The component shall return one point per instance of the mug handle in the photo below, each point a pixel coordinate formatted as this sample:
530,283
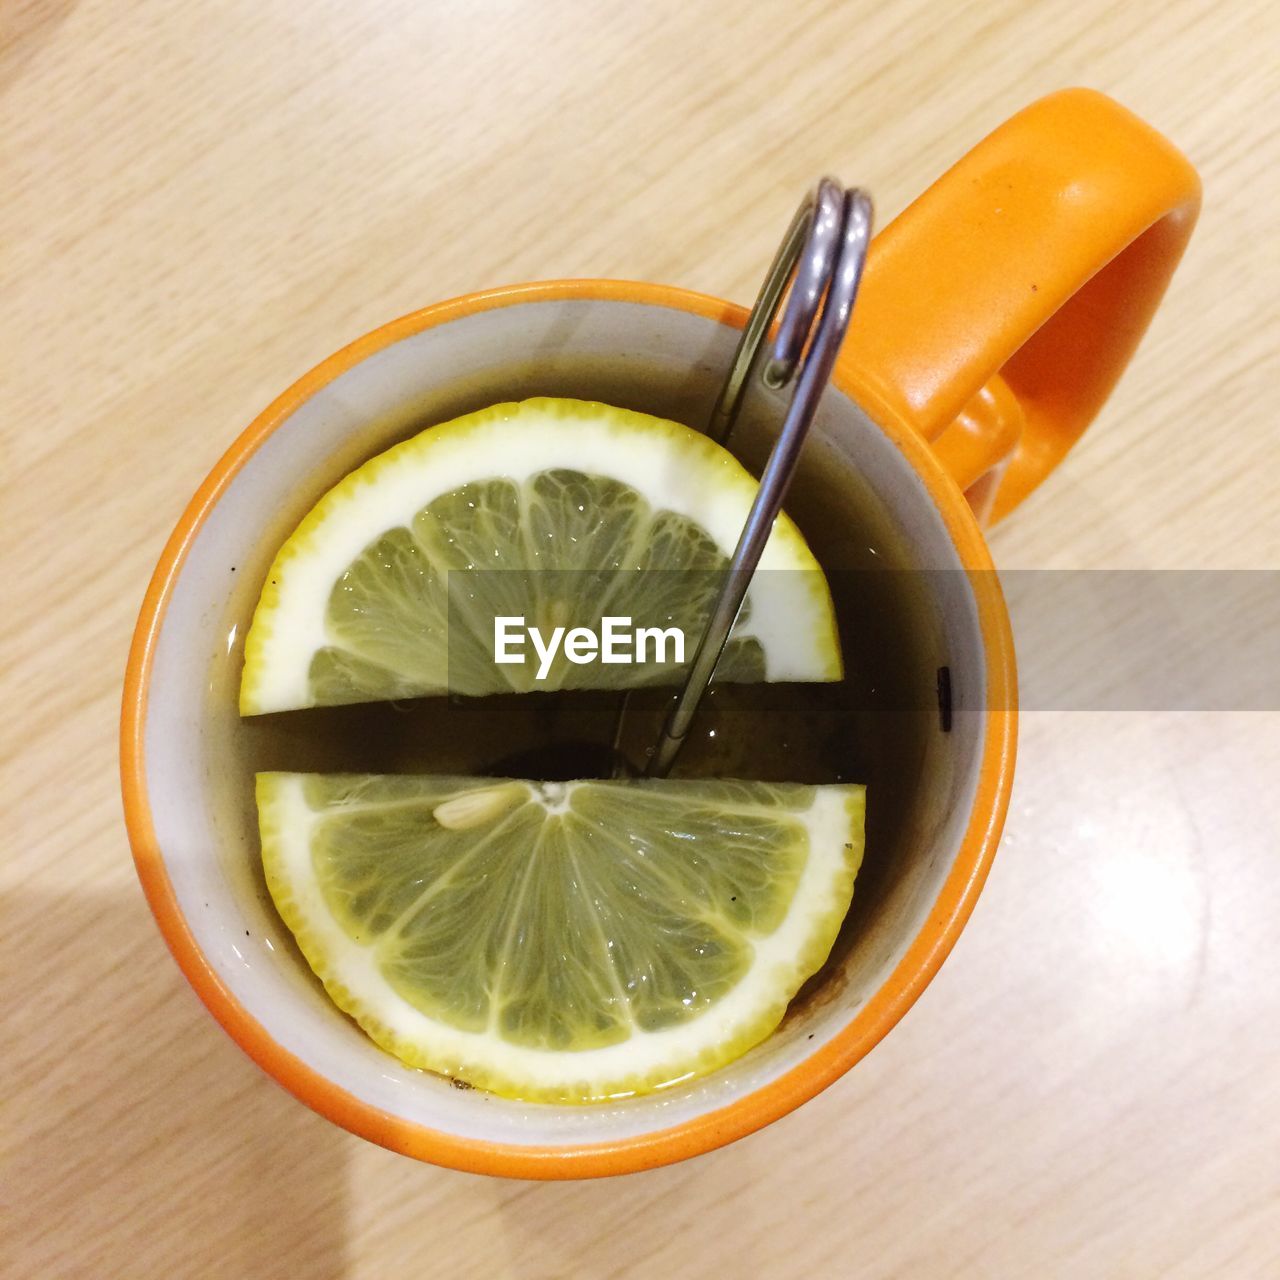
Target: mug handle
999,309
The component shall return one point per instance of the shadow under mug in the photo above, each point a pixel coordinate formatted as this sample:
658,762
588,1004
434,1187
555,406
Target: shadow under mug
995,315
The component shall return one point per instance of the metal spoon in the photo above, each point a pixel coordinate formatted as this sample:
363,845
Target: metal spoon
821,257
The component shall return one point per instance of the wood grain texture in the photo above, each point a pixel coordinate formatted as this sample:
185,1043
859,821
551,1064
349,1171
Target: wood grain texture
201,201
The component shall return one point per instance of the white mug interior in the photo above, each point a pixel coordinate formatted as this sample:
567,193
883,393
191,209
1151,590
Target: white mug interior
647,357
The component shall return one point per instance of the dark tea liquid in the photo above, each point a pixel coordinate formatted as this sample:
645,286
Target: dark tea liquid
877,726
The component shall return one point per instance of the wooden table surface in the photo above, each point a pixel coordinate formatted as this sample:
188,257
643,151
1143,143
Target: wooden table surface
201,201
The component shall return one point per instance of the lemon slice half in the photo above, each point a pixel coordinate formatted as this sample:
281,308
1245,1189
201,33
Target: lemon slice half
385,589
561,942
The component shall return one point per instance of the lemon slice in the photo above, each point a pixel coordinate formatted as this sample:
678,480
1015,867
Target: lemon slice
561,942
385,589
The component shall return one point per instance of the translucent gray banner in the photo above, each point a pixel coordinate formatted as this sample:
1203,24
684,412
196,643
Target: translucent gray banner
1146,640
1086,640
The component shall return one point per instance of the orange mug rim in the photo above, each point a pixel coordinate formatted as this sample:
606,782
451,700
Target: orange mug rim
709,1130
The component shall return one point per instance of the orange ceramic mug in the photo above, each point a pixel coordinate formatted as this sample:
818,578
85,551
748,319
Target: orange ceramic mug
995,315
